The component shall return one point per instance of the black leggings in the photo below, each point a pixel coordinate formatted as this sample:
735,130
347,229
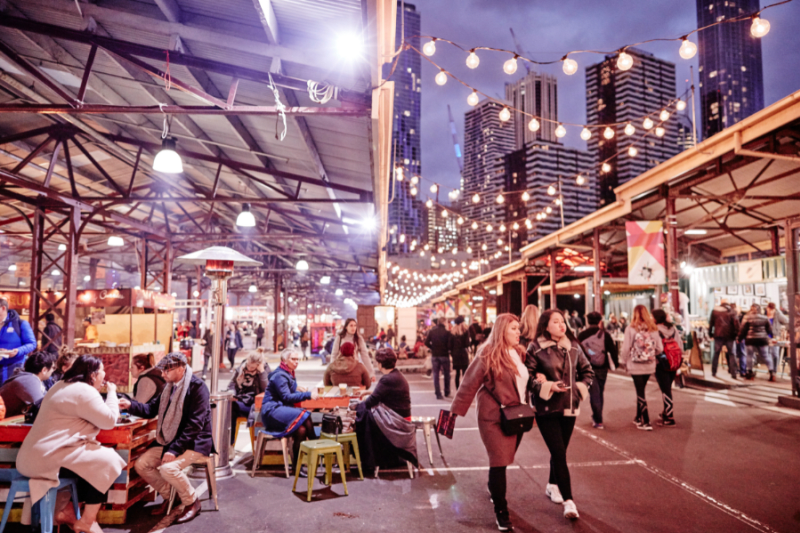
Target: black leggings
232,356
459,372
304,432
640,382
497,484
556,431
665,379
86,492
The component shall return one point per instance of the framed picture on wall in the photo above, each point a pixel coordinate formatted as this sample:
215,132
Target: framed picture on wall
764,301
733,289
717,301
747,290
719,291
761,289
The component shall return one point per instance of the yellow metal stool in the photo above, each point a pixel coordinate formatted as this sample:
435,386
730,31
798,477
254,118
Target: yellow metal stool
310,453
243,420
349,442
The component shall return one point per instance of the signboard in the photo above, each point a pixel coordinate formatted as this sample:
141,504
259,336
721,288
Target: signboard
23,270
646,265
17,300
153,300
750,271
104,298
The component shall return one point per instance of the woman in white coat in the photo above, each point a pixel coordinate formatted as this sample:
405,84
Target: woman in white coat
62,442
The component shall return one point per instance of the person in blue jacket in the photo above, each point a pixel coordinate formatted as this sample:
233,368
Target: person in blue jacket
16,338
278,413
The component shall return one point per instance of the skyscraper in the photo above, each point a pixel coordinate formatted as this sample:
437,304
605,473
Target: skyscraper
442,230
405,210
622,97
537,94
486,141
731,74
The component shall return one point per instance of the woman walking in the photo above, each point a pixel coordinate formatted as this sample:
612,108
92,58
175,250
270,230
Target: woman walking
563,377
459,351
641,346
672,340
528,323
496,375
349,333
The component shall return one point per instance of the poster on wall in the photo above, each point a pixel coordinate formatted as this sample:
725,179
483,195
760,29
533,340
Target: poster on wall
646,264
750,271
463,305
98,315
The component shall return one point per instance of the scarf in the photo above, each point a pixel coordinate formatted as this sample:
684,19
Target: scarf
170,413
285,367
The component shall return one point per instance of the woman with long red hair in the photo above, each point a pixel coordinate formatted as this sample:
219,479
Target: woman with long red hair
496,375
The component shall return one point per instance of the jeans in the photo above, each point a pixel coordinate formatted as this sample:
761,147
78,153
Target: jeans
232,356
763,353
258,341
441,364
665,379
741,355
323,354
556,431
596,393
775,354
718,344
640,382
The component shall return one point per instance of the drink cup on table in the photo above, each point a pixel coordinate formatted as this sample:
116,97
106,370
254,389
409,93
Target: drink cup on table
343,389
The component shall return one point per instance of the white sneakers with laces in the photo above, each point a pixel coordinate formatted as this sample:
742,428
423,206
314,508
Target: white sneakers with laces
570,511
553,493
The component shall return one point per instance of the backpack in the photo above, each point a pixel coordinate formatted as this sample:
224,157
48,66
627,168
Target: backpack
643,349
673,352
595,348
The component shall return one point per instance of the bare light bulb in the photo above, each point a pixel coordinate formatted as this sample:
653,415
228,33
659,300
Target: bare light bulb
489,228
648,123
510,66
551,190
664,115
413,191
473,60
500,199
681,105
759,28
606,167
580,180
502,228
534,125
460,220
429,203
499,242
515,226
474,225
586,134
441,78
569,66
632,151
473,99
444,213
429,48
505,114
608,133
629,129
561,131
548,209
434,188
414,180
624,61
476,198
660,131
526,196
688,49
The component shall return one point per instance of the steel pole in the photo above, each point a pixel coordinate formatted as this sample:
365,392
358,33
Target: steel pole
220,400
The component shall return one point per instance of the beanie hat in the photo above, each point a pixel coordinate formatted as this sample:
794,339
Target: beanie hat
347,349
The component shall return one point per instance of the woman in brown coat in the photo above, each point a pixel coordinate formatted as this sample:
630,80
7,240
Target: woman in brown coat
499,367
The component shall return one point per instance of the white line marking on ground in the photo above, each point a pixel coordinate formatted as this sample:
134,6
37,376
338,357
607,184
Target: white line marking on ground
442,470
727,509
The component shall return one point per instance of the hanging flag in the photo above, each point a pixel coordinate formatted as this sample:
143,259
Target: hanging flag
646,265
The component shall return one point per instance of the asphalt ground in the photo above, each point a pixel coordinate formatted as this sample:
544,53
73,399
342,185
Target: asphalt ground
727,466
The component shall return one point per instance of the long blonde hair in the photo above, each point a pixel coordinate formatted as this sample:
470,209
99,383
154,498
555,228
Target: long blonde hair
642,320
529,321
496,350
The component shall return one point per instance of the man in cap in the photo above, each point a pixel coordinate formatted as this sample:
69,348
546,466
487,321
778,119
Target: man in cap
183,435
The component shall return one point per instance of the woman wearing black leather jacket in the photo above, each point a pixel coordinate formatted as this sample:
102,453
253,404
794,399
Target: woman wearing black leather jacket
560,378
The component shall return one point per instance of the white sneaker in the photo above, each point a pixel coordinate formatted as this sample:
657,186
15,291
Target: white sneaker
553,493
570,511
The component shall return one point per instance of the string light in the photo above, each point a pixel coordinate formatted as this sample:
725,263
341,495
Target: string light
586,134
505,114
473,60
474,225
460,220
624,61
660,131
548,209
429,203
580,180
414,180
502,228
688,49
561,131
534,125
434,188
413,191
569,66
473,98
441,78
629,129
608,133
551,190
500,199
606,168
510,66
476,198
681,105
760,27
515,226
429,48
664,115
489,228
444,213
648,123
526,196
632,151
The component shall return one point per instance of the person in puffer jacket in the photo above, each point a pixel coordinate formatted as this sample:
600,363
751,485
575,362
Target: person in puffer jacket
756,331
560,378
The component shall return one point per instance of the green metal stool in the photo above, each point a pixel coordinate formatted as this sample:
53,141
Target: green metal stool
348,441
310,453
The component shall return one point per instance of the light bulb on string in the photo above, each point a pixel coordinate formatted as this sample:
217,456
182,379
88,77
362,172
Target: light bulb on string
469,249
688,49
526,196
499,242
548,209
624,61
660,131
505,114
413,191
580,180
502,228
473,60
489,228
398,173
569,66
606,167
434,188
648,123
551,190
484,247
441,78
429,48
510,66
473,98
629,129
414,180
460,220
528,223
760,27
632,151
608,133
544,215
429,203
561,131
427,246
680,105
476,198
474,225
500,199
664,115
534,125
586,134
444,213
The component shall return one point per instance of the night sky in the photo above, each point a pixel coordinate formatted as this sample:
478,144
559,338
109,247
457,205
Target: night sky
547,29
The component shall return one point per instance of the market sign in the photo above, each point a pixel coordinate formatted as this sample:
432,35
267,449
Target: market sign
646,265
750,271
17,300
104,298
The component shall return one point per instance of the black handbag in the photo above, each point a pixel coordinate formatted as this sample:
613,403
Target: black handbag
332,424
514,419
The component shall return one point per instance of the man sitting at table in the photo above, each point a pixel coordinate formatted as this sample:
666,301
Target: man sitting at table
183,435
347,369
27,387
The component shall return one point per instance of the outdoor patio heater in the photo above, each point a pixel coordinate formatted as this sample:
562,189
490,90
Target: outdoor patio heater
219,262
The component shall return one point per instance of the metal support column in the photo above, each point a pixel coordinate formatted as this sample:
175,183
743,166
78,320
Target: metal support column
189,296
791,236
775,241
598,272
277,307
671,224
553,280
484,303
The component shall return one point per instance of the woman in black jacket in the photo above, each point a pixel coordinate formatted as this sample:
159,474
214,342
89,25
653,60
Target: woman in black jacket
562,379
458,350
756,331
607,359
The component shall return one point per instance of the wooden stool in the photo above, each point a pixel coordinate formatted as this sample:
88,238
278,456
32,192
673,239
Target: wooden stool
261,446
252,432
310,453
210,464
349,442
425,423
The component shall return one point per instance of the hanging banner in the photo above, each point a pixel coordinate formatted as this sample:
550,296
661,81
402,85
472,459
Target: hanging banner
646,265
450,309
463,305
